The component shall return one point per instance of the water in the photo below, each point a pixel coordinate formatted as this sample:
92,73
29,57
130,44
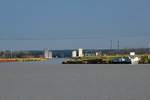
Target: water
54,61
24,81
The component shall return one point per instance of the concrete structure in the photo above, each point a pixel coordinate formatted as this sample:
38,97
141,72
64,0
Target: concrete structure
47,54
80,52
74,54
46,51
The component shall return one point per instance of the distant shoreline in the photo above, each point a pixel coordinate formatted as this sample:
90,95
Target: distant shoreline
5,60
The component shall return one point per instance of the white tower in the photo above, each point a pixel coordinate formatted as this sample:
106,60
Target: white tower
47,54
80,52
74,54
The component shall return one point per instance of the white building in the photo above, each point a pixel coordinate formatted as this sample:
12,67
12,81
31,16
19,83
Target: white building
47,54
80,52
74,54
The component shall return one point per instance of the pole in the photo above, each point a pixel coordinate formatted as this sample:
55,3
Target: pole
110,44
11,53
118,45
149,47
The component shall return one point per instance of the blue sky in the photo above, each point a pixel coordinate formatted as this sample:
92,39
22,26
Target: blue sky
68,24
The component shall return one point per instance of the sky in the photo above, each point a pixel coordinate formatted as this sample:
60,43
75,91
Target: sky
70,24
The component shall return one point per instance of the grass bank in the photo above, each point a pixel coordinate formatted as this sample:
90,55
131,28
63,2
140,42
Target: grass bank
22,59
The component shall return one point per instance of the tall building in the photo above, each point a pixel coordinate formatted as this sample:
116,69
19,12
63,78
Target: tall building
74,54
47,54
80,52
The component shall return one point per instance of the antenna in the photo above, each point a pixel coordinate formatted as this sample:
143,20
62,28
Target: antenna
11,55
118,45
149,47
110,44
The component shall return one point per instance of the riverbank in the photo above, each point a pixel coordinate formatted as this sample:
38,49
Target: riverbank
2,60
91,60
112,59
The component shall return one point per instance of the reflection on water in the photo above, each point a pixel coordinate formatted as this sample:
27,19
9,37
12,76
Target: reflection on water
54,61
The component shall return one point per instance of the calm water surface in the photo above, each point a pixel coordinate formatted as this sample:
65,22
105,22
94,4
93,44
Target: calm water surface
51,61
54,61
23,81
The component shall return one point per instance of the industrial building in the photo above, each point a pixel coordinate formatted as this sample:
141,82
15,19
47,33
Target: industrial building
77,53
80,52
74,54
47,54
